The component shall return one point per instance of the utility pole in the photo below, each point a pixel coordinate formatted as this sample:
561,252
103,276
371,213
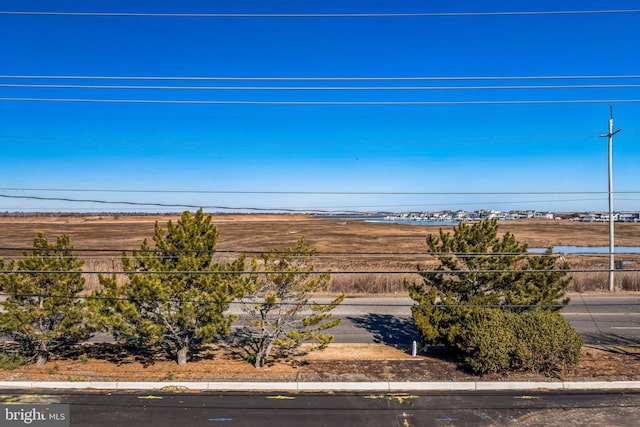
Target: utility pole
609,135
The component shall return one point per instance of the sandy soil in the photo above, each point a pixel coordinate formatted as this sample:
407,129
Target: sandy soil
339,362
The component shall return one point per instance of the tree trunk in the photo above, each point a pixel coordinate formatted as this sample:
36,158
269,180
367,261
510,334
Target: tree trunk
182,355
263,352
43,355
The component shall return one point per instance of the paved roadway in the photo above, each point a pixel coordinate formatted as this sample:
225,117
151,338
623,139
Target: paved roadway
607,320
160,409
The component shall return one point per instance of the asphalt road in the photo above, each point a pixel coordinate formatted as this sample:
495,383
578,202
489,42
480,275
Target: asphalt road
606,320
609,320
159,409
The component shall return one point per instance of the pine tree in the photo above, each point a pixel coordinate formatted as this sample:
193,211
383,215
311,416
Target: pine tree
42,311
277,300
176,296
479,269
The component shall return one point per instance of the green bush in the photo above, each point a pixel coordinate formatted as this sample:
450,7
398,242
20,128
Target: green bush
495,340
487,340
11,359
547,342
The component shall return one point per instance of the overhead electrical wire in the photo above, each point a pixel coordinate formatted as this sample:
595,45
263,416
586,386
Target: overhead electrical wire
317,256
254,251
355,209
310,192
346,303
332,272
423,257
325,78
253,102
321,15
324,209
156,254
307,209
322,88
157,204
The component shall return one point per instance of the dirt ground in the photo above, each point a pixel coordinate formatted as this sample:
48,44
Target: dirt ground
339,362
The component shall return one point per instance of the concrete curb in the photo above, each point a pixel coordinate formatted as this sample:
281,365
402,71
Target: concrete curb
324,386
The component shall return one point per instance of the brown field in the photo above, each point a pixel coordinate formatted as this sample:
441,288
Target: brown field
343,245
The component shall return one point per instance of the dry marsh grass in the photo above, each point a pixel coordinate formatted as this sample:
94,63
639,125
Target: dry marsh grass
369,255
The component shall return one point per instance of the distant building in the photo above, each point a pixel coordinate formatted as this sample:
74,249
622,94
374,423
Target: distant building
543,215
628,217
604,217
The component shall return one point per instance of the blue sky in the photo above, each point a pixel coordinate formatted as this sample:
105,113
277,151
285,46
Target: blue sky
307,156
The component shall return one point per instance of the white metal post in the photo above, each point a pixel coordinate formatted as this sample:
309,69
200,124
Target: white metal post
612,265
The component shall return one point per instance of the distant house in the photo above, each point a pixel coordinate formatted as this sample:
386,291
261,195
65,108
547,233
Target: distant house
589,217
604,217
460,214
543,215
628,217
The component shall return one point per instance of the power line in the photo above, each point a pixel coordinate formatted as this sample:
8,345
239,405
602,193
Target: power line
316,272
324,209
156,204
154,252
281,78
352,209
353,256
322,88
281,192
227,102
247,300
317,255
323,15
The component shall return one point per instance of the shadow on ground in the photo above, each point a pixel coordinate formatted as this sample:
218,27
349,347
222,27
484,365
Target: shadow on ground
398,332
609,339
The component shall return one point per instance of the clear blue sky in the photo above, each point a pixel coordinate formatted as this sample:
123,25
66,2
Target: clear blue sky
193,149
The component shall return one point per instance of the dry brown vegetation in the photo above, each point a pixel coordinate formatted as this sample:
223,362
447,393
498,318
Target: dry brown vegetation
383,249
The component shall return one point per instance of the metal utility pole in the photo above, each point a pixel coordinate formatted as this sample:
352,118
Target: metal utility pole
611,240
